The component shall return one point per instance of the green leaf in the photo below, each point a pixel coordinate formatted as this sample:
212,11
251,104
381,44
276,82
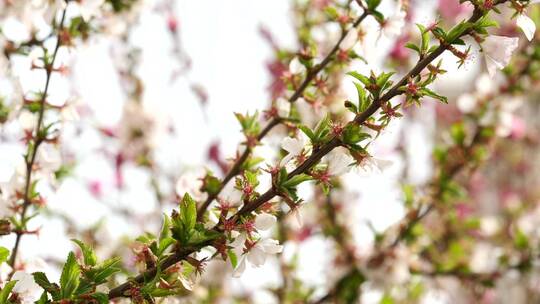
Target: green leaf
322,129
188,212
348,287
331,12
521,240
387,299
353,134
69,280
4,254
382,80
430,93
457,131
252,177
233,258
101,273
44,299
425,38
457,31
296,180
102,298
363,102
251,162
165,239
363,79
89,255
351,107
165,228
250,124
4,293
413,47
202,235
211,184
307,131
41,279
373,4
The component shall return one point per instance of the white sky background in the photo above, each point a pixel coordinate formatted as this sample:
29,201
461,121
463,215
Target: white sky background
229,56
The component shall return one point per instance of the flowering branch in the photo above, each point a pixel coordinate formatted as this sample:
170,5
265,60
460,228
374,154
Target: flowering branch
38,138
318,153
312,73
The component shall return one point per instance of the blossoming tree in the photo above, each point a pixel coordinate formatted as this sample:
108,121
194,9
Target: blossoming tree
304,172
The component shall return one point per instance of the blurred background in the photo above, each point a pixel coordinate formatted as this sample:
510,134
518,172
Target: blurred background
152,92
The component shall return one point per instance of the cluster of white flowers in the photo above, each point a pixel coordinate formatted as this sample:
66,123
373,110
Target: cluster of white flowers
256,251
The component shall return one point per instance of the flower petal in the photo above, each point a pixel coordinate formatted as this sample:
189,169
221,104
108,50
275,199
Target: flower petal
240,268
527,25
256,255
264,221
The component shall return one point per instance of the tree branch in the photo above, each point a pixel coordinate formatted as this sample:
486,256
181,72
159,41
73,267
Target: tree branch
38,140
236,168
302,168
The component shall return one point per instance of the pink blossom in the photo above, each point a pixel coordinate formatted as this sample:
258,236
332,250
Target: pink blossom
451,9
399,52
518,128
96,188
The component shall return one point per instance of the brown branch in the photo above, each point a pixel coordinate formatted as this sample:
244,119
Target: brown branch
237,166
38,141
306,165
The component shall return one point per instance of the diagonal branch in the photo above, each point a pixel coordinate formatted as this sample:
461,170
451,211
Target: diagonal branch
312,73
120,290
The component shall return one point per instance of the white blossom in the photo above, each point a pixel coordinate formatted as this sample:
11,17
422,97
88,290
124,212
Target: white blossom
490,225
136,130
48,158
190,182
370,164
69,113
466,103
283,107
393,26
26,287
485,86
292,145
5,270
527,25
296,67
498,52
9,190
298,215
350,40
339,161
264,221
484,258
258,254
48,8
89,8
27,120
231,195
506,117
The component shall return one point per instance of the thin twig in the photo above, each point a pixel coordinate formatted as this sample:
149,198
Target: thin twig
38,140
